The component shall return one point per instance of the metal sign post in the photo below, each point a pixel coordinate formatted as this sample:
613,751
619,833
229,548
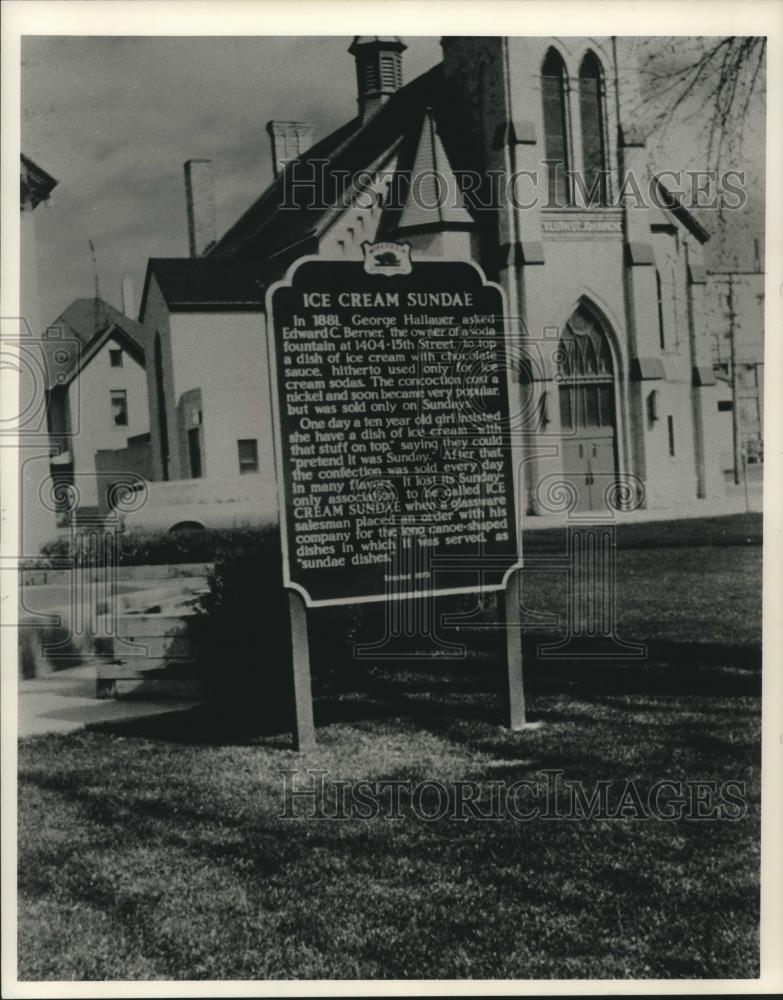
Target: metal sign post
304,728
515,702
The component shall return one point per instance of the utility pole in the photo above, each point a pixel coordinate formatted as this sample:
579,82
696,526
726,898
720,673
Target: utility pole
735,425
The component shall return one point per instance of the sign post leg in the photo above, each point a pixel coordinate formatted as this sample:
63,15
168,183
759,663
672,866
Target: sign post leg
304,729
515,705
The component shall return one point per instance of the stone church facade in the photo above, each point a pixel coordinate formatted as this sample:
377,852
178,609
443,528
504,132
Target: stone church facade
514,154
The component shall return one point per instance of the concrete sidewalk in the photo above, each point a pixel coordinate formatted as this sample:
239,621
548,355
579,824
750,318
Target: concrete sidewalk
735,502
65,701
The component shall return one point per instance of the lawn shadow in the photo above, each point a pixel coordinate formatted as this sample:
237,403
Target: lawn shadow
198,726
437,694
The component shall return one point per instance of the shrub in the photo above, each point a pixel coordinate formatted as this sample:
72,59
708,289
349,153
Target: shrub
167,548
210,544
244,641
196,546
244,636
57,548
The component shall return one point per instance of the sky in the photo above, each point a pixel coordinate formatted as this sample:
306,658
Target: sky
113,119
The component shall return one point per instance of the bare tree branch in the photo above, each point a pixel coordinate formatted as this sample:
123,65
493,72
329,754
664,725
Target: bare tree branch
716,86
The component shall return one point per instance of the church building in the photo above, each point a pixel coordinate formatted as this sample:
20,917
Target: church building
513,153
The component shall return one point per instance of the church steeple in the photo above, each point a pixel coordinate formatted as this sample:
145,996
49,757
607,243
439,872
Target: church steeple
378,70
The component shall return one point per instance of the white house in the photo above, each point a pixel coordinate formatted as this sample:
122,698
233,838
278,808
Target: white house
100,400
207,383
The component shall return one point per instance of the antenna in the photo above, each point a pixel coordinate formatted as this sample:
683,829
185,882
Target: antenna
97,285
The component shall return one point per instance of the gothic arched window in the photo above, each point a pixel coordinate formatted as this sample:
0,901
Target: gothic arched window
591,113
553,92
586,374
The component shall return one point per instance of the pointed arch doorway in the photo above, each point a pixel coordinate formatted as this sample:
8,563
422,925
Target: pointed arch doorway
587,409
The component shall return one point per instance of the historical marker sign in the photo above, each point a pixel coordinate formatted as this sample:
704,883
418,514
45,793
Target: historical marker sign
390,393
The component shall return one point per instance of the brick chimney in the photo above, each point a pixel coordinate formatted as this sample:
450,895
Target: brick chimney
200,196
128,298
290,140
378,70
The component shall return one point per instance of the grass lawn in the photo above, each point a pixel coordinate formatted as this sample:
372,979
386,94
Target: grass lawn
689,596
694,583
157,849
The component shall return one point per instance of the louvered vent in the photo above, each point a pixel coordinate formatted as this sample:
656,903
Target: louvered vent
369,78
391,72
378,70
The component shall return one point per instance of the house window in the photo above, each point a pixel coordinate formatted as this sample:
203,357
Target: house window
591,111
659,293
194,452
160,394
553,92
119,407
670,422
724,406
115,358
248,455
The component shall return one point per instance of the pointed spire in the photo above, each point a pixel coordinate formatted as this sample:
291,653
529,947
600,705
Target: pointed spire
434,197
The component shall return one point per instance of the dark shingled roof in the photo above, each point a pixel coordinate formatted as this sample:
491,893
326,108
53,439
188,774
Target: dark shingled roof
90,322
84,318
202,283
267,229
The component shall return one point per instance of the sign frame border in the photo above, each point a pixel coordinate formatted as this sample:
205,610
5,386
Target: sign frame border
291,585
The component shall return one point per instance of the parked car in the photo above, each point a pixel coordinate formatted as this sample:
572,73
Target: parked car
191,504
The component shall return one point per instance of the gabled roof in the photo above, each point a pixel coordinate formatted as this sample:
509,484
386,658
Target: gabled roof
85,317
318,186
190,284
264,209
91,322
